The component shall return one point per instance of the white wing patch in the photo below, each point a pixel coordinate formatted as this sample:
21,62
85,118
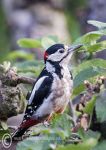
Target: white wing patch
36,87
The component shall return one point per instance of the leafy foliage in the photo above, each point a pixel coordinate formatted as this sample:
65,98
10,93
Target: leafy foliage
98,24
86,74
44,42
90,106
29,43
101,107
101,145
87,145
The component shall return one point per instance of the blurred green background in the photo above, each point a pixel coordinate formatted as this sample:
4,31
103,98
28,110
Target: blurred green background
33,19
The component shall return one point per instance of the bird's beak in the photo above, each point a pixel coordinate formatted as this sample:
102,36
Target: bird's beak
73,48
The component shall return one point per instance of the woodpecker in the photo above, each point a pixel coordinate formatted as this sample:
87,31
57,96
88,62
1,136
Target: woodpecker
52,89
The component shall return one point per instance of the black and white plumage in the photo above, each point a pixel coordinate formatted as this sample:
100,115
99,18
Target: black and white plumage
51,91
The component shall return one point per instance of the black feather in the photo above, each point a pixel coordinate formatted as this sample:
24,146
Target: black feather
54,48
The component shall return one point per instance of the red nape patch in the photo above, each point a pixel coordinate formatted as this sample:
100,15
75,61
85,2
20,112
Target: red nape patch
29,123
46,55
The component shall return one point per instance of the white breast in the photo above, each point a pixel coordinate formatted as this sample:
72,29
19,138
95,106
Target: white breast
62,89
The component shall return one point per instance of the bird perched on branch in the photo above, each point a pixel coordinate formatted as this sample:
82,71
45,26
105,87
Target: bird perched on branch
52,89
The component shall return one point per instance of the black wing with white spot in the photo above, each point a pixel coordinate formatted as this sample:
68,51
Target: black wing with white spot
41,90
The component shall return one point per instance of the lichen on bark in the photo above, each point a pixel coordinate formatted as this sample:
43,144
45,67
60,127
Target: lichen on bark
12,98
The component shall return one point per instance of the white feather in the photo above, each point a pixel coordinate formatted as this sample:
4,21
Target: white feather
50,67
36,87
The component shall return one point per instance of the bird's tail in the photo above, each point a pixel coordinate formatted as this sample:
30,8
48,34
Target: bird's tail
17,135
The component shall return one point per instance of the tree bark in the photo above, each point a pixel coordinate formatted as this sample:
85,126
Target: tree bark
12,97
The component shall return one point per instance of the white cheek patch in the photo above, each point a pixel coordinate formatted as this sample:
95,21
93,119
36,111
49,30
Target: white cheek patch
36,87
56,56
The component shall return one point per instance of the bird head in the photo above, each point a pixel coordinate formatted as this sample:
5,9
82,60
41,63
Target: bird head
59,53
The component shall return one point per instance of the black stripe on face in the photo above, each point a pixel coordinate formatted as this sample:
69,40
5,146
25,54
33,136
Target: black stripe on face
64,57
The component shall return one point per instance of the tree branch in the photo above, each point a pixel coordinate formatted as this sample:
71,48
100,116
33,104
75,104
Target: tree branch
25,80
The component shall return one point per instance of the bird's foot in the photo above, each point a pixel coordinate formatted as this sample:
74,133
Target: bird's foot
46,124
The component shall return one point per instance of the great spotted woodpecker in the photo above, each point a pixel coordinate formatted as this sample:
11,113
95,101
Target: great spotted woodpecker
52,89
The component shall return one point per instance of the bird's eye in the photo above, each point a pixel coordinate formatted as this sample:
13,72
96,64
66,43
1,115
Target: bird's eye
61,51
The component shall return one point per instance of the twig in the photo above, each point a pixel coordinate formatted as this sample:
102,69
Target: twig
11,78
25,80
81,101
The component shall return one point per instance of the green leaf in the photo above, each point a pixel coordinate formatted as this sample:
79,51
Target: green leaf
86,74
85,135
29,68
90,37
4,125
97,24
19,54
89,63
90,106
77,90
29,43
57,132
34,143
29,63
101,107
87,145
47,42
62,122
91,134
97,47
100,146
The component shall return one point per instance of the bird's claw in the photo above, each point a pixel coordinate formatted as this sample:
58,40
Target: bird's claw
46,124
